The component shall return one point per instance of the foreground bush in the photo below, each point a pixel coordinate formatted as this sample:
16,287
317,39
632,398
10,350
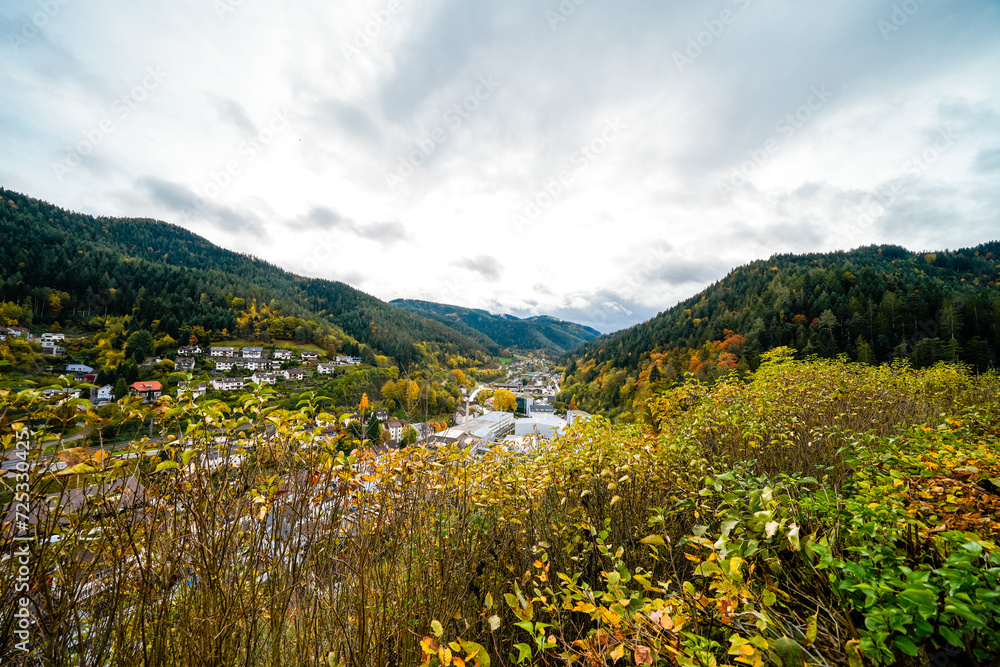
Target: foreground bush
818,512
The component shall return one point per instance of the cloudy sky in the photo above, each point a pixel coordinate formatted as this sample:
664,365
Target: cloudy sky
592,160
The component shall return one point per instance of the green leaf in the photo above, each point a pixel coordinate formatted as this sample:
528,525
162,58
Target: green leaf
78,469
527,626
905,645
187,455
811,629
436,628
951,636
489,601
973,547
165,465
653,539
524,652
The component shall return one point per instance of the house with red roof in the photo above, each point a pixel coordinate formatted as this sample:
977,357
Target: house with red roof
149,391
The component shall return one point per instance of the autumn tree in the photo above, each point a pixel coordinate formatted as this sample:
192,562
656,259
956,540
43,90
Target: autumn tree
504,400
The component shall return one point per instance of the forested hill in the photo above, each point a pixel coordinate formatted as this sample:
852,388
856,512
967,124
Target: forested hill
874,304
548,334
66,266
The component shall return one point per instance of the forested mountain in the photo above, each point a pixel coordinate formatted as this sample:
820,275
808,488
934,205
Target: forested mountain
545,333
62,266
875,304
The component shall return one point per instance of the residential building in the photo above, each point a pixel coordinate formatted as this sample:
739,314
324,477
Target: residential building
263,378
185,363
223,351
541,409
348,361
52,350
227,384
381,414
395,428
228,364
149,391
253,353
18,332
327,369
105,394
52,338
424,431
294,374
574,415
283,354
254,364
309,355
4,332
188,350
82,369
197,389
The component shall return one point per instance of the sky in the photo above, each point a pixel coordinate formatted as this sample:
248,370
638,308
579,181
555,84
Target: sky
585,159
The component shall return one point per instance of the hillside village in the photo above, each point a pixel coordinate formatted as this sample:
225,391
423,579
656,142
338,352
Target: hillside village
224,371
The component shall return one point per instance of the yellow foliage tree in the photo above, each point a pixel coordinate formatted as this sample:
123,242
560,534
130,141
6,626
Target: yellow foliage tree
504,400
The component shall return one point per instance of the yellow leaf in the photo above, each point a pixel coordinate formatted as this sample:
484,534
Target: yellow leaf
444,655
436,628
429,646
618,652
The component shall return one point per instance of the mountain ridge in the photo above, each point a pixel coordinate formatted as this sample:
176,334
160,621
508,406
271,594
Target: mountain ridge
104,265
875,304
538,332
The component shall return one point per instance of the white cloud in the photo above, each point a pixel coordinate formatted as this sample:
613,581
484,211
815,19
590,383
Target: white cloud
626,225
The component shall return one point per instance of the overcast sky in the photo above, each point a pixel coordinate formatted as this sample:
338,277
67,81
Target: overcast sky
592,160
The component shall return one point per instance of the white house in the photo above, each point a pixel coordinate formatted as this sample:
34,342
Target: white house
263,378
254,364
348,361
52,350
185,363
227,384
280,353
309,355
395,428
79,368
294,374
223,351
228,364
106,394
52,338
253,353
327,369
188,350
